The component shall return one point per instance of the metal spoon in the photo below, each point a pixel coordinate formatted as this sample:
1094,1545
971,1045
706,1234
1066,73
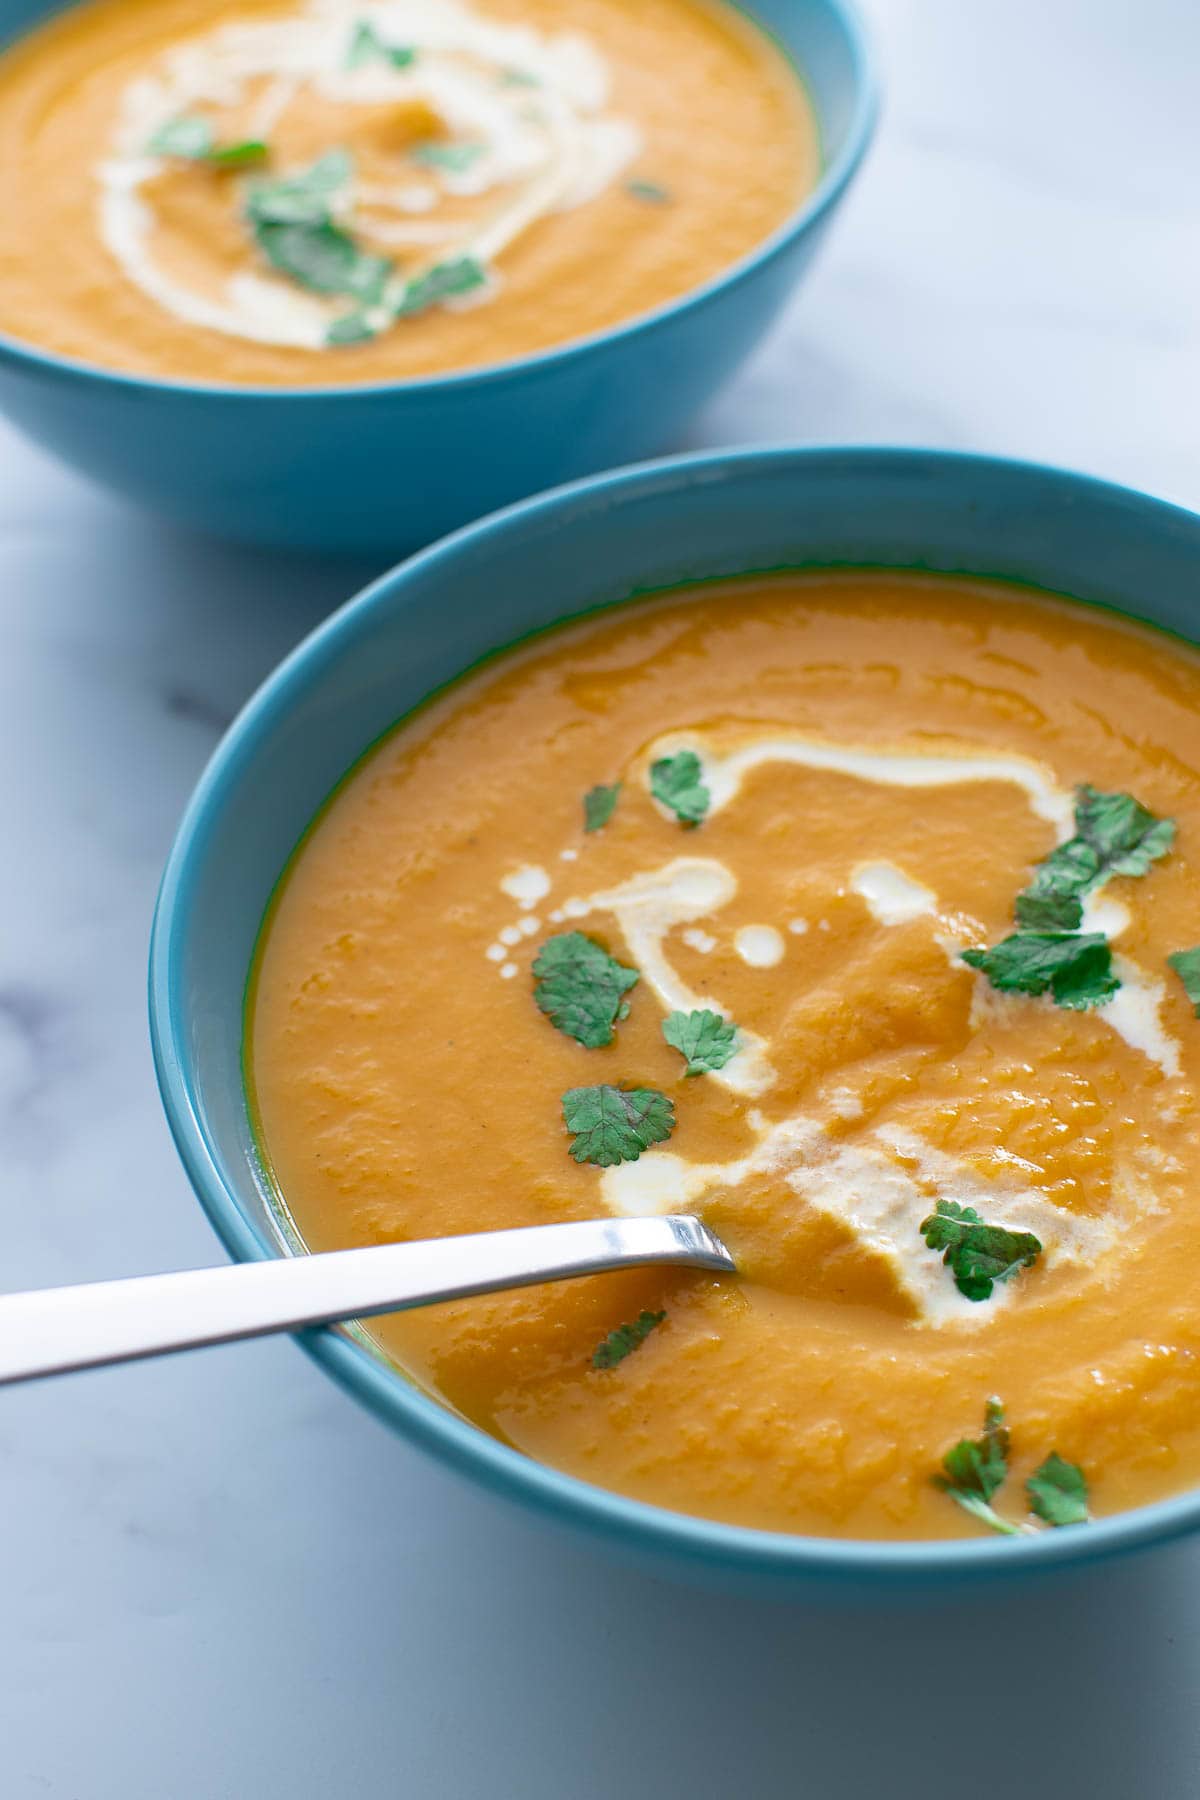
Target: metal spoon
51,1331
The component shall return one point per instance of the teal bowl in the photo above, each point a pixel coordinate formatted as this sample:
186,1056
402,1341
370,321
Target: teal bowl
590,545
384,467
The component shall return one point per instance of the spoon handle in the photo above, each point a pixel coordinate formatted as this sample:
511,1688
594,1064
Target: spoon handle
51,1331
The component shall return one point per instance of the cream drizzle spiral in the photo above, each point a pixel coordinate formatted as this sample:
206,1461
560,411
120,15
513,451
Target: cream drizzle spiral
534,105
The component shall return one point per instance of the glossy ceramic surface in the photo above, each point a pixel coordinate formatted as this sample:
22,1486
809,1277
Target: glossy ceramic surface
554,557
382,468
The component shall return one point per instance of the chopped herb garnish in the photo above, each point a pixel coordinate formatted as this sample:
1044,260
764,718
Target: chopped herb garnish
580,988
614,1125
366,45
599,804
978,1255
192,139
520,78
455,158
236,156
1114,835
1058,1492
648,190
704,1039
1077,969
443,282
351,328
303,199
676,782
294,227
1186,964
976,1467
619,1343
326,259
293,220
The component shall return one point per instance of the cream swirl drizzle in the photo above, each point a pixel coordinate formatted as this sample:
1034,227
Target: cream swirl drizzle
883,1186
532,108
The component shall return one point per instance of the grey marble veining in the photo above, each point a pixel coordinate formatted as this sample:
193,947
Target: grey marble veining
218,1578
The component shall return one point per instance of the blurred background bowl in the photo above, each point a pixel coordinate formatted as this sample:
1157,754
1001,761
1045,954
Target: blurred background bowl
595,543
381,468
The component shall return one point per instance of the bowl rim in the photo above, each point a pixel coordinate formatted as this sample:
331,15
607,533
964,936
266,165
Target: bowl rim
812,208
635,1524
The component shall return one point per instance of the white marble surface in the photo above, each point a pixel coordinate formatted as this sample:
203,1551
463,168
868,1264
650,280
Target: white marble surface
217,1577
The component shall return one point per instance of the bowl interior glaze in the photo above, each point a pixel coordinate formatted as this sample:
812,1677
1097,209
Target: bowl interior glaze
586,546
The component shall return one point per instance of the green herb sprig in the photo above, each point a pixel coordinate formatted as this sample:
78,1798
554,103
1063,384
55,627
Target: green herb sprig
599,804
978,1255
1186,964
1058,1493
677,783
619,1343
581,988
1076,969
190,138
976,1468
293,221
706,1040
1114,835
613,1125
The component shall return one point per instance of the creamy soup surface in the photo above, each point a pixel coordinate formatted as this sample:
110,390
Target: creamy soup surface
330,191
878,766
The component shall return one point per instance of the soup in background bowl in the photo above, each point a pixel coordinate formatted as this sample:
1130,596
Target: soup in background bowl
330,254
915,845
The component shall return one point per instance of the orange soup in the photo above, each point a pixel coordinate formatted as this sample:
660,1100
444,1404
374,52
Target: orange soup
849,910
314,192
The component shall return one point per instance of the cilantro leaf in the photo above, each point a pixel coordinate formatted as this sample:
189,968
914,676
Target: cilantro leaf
303,199
1049,909
704,1039
456,159
1125,835
676,782
976,1467
352,328
619,1343
443,282
649,191
1186,964
366,45
599,803
191,139
1058,1492
292,221
978,1255
579,987
235,156
614,1125
326,259
1114,835
1077,969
